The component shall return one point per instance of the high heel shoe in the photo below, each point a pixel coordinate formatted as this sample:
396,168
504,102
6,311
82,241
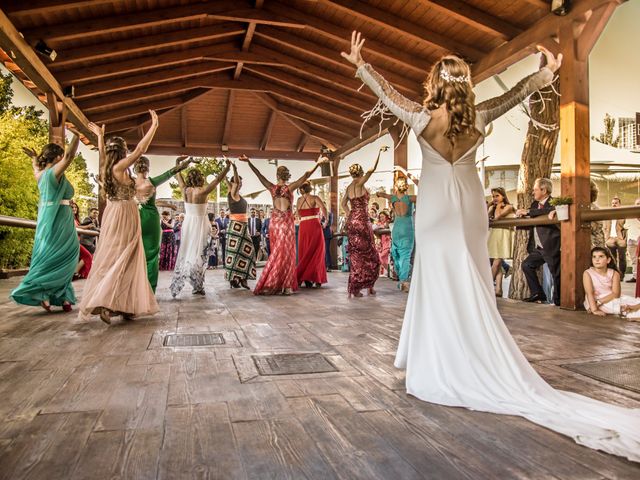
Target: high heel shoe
243,284
372,292
105,316
67,307
45,305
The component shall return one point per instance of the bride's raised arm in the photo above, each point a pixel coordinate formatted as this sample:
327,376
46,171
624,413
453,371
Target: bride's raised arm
410,112
493,108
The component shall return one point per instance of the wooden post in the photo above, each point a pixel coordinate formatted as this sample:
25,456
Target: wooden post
57,119
577,38
334,207
401,150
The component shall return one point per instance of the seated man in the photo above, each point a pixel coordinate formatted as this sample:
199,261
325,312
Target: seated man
544,244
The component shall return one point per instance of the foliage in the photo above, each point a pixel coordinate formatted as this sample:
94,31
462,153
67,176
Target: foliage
208,166
78,175
555,201
23,127
607,136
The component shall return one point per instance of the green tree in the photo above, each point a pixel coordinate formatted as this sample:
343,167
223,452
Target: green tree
607,137
208,166
78,175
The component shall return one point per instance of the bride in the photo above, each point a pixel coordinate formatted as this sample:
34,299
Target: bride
454,345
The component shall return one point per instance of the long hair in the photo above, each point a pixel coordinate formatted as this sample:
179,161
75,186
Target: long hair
611,262
49,153
195,178
115,150
503,193
76,214
449,83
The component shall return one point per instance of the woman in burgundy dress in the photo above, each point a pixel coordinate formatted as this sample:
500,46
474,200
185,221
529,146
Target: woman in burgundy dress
311,262
279,274
363,256
85,259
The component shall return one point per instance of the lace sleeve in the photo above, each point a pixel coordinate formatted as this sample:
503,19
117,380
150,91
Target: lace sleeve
411,113
493,108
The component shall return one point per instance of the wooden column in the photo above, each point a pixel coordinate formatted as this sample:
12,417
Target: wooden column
334,207
57,119
401,150
577,38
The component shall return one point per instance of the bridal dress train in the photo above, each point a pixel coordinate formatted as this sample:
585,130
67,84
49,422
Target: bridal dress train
454,344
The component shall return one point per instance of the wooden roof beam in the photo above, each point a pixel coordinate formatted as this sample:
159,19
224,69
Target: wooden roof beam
126,112
404,28
18,10
327,55
474,17
318,121
184,125
28,61
268,129
251,28
234,150
118,68
304,138
227,10
127,82
372,48
120,48
228,116
524,44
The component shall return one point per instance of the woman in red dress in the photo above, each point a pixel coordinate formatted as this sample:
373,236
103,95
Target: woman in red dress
279,274
383,244
311,262
85,259
363,256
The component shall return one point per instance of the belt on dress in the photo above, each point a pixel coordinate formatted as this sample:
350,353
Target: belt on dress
310,217
238,217
62,202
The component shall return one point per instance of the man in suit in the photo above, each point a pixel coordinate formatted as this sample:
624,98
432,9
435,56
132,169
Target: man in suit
90,223
544,244
255,231
328,234
265,234
223,222
615,232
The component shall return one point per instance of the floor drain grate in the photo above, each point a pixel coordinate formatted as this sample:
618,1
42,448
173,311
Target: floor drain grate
622,372
193,340
292,363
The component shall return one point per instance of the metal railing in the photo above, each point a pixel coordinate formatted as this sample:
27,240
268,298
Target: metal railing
7,221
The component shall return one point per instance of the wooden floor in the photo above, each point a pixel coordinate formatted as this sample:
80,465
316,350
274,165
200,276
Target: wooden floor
83,400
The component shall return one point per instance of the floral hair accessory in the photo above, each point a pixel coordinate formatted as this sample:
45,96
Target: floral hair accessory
447,77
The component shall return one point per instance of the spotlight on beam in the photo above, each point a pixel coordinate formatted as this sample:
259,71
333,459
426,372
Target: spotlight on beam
45,50
69,91
224,147
560,7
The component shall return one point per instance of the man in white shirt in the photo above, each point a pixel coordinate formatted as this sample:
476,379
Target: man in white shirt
615,232
633,227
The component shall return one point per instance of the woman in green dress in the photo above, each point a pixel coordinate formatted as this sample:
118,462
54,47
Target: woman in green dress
55,248
149,217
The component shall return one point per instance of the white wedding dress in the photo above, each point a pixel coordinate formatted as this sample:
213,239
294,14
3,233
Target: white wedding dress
454,344
191,262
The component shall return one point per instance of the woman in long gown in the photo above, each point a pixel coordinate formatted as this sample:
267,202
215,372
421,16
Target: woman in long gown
168,244
85,259
383,240
500,242
364,261
55,248
240,261
402,235
149,216
279,274
311,267
193,255
454,344
118,284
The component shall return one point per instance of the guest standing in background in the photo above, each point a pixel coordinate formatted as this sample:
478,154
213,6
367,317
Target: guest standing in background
311,269
168,244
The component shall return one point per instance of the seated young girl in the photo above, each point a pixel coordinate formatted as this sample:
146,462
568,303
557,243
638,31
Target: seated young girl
602,288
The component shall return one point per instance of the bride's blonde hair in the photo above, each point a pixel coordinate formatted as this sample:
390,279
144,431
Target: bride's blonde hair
449,83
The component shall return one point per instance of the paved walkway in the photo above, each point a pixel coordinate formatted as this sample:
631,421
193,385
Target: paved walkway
83,400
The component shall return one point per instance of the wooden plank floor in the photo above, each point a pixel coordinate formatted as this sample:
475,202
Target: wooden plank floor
83,400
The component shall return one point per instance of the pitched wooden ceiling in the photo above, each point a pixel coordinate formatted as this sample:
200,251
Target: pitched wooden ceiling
263,77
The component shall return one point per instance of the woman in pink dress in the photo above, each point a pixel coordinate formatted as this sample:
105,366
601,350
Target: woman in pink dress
311,262
117,283
383,242
279,274
363,257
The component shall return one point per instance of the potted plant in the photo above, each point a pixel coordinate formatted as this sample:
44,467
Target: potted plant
562,207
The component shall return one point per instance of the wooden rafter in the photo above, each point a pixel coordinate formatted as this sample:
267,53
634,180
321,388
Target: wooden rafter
246,43
268,129
226,130
17,10
327,55
474,17
404,28
234,150
226,10
124,48
304,138
184,125
131,111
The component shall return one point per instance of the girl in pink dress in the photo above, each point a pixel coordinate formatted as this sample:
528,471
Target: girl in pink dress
383,241
602,288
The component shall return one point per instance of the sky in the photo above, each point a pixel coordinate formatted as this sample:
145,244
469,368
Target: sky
614,73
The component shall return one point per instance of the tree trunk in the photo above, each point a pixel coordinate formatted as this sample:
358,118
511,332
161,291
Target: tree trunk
536,162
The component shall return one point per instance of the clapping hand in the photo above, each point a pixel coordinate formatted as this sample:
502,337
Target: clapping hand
553,62
30,152
95,129
182,162
354,56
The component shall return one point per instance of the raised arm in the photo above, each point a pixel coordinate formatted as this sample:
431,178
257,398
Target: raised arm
235,186
323,209
406,110
493,108
298,183
33,155
267,184
209,188
182,162
365,178
141,148
179,178
384,195
99,132
69,155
